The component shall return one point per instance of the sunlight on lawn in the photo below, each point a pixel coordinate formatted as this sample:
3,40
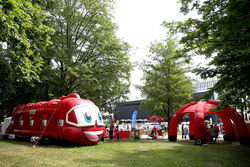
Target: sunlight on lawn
124,153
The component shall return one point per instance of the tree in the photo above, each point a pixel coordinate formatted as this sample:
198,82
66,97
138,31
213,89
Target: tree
87,57
222,33
166,86
23,37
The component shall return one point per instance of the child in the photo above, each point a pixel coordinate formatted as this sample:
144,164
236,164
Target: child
117,132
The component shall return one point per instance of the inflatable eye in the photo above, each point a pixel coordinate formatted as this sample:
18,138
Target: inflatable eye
99,118
87,117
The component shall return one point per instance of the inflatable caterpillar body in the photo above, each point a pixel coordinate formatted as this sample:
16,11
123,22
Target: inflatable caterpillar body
68,118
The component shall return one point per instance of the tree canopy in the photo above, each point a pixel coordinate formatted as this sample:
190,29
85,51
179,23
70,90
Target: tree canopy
166,86
84,57
87,57
222,33
23,37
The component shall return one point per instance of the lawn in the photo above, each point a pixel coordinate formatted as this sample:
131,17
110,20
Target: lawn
125,153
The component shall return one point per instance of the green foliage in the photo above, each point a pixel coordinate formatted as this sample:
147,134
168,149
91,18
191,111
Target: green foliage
166,86
23,37
22,29
87,57
221,33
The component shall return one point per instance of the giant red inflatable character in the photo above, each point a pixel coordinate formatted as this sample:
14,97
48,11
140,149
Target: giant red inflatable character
69,117
197,111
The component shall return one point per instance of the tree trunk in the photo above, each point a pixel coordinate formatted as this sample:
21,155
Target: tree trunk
168,112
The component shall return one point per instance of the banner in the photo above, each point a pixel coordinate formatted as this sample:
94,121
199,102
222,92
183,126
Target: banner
133,122
122,134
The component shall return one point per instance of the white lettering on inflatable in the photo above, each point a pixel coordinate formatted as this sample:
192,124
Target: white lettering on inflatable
60,123
44,123
32,112
201,114
31,122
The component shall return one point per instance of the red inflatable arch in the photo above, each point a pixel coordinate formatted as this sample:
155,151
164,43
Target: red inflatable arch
197,111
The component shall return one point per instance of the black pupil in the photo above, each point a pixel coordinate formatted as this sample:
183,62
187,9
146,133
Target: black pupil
88,116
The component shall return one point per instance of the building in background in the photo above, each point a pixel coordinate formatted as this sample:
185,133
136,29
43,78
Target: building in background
125,110
202,87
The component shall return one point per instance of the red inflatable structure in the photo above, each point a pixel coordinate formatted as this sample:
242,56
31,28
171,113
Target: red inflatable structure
67,118
197,111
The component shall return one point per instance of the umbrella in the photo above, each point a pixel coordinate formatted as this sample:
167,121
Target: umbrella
155,118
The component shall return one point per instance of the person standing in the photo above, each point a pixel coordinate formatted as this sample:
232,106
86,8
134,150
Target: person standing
217,129
182,131
111,131
212,132
163,130
117,132
186,130
206,132
153,133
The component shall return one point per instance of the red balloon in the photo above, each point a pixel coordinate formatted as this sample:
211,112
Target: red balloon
113,120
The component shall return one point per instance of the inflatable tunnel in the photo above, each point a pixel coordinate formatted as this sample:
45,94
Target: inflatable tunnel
197,111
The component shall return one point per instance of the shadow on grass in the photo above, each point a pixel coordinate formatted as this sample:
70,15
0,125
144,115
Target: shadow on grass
25,141
62,143
185,142
21,141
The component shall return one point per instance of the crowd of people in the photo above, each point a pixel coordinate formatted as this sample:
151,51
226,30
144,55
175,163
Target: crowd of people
114,129
211,132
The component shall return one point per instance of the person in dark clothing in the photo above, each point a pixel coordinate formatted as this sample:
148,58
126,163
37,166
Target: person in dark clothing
182,131
117,132
212,132
217,130
111,131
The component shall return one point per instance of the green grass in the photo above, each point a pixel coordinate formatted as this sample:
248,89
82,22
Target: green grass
143,153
